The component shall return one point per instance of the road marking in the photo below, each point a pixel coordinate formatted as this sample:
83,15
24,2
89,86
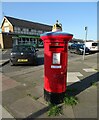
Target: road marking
90,70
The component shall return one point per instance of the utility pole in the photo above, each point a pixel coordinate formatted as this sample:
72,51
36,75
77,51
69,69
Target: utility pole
86,30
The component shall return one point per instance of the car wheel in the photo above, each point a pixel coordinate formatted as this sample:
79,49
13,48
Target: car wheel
35,63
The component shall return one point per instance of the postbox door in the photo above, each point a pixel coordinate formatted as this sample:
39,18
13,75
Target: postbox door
55,67
59,70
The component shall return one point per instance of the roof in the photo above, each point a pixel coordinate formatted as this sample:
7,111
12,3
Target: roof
28,24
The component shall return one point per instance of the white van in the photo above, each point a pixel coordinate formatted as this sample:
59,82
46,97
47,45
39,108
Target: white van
93,46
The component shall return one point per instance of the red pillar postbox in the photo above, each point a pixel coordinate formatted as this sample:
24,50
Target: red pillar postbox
55,65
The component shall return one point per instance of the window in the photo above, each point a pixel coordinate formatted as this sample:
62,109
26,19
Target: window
23,40
19,41
6,29
18,28
22,32
40,32
29,30
15,28
94,44
21,29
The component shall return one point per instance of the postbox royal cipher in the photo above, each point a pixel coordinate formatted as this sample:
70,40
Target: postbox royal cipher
55,63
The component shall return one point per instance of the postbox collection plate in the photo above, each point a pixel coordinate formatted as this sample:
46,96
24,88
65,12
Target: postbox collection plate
56,66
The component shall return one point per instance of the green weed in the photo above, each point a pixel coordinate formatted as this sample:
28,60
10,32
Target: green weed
34,84
94,83
35,98
28,94
70,100
54,110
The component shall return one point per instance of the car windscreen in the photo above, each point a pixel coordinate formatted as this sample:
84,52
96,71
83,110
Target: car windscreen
80,46
23,49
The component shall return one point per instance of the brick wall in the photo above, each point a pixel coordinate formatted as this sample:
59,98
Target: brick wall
1,41
7,40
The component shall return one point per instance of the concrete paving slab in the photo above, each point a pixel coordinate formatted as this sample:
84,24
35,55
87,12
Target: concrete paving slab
8,83
6,114
77,74
36,91
0,69
68,111
72,79
87,106
41,100
25,107
0,81
92,61
90,70
0,112
11,95
73,76
30,78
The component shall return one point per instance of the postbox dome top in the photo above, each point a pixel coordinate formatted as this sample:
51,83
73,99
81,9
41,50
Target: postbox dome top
56,36
56,33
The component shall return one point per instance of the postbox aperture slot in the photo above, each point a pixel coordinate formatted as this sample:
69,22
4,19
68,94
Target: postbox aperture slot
56,46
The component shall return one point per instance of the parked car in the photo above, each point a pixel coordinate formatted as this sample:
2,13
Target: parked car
23,54
73,47
69,44
79,49
93,46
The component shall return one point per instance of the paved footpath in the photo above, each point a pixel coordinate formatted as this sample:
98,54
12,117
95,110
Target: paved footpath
22,95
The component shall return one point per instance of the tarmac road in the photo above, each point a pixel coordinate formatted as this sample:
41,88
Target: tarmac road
8,69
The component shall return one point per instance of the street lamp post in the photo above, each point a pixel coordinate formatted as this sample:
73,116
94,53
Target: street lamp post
86,30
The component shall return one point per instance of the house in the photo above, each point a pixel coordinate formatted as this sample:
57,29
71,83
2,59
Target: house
17,31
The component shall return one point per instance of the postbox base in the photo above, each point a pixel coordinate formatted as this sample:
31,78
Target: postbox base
54,98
